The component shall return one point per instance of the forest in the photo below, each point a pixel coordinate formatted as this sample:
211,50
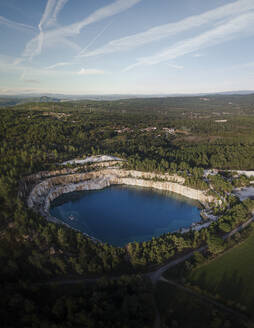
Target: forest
168,135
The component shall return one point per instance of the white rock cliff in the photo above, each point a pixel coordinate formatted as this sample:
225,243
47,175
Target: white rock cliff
46,191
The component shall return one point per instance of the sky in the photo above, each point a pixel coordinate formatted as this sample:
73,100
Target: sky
126,46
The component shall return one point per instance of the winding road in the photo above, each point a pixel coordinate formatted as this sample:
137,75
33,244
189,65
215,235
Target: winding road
156,276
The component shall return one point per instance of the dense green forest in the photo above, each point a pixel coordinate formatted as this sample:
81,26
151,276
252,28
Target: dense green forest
127,302
186,135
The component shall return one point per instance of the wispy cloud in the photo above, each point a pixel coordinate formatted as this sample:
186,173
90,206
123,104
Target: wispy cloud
91,71
27,71
235,28
102,13
45,17
59,6
164,31
9,62
17,61
176,66
34,47
16,91
15,25
49,17
93,40
61,64
47,14
32,81
63,41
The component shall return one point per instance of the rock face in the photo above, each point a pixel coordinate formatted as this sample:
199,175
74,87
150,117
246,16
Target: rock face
248,174
46,191
64,171
93,159
244,193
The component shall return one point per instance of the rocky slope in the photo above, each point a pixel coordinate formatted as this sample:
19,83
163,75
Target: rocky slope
49,189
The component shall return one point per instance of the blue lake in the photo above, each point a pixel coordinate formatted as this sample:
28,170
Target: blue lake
118,214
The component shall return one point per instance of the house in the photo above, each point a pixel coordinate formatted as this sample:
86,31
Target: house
149,129
169,130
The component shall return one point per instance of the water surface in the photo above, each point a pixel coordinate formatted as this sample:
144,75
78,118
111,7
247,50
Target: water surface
119,214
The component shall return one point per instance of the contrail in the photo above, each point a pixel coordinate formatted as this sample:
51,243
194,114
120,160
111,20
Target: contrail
97,37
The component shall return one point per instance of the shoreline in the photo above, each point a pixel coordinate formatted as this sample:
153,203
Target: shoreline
46,191
71,217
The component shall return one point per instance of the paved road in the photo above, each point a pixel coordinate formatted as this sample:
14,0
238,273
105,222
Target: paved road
240,228
156,275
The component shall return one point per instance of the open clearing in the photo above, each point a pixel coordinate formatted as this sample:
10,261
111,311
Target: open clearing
231,275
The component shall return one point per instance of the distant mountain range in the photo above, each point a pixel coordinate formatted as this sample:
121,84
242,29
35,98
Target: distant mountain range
22,99
11,100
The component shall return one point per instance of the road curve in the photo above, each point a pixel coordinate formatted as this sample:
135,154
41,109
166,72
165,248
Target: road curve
156,275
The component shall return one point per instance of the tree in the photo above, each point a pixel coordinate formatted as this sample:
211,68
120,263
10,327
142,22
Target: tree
62,237
215,245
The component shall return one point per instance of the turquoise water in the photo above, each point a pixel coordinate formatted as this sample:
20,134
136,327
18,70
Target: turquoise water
118,214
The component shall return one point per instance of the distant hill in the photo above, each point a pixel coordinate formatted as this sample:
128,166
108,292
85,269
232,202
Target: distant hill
227,99
12,100
6,100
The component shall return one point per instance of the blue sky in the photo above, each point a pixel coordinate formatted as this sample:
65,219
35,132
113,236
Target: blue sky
126,46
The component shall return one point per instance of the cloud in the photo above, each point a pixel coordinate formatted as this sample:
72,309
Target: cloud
47,13
7,62
49,18
176,66
93,40
235,28
61,64
27,72
15,25
45,17
164,31
32,81
34,46
17,91
18,61
59,6
63,41
91,71
102,13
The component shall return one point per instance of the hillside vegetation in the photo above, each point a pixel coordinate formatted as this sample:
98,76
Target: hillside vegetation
166,135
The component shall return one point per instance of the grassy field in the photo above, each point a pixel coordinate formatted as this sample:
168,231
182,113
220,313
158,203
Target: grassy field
179,309
231,275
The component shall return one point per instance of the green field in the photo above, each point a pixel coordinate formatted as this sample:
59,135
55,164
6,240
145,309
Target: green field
231,275
180,309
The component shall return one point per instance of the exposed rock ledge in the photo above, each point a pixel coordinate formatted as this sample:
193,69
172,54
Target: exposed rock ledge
46,191
93,159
